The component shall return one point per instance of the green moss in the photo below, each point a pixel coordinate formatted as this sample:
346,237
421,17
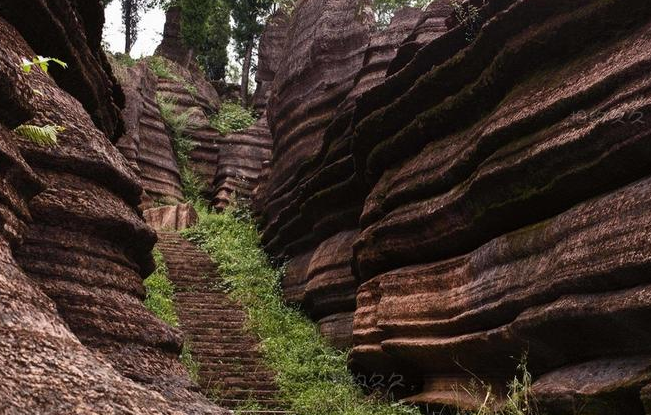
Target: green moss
232,118
312,376
160,292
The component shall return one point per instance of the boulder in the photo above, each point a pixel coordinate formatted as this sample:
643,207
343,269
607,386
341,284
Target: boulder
171,218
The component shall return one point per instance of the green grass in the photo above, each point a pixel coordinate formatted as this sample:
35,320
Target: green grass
160,292
312,376
161,68
232,118
191,184
188,361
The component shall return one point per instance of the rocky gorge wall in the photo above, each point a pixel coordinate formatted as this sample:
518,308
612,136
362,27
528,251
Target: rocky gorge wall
76,337
480,194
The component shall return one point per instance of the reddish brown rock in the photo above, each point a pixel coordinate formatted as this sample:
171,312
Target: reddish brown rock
501,220
171,218
204,158
147,143
322,210
431,25
324,50
240,163
71,30
270,53
78,305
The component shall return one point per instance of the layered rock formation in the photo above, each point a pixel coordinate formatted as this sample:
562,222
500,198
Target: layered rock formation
270,53
315,221
75,335
494,192
195,108
240,163
147,143
490,152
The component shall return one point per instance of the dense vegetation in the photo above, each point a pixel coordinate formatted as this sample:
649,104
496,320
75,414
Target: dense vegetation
231,118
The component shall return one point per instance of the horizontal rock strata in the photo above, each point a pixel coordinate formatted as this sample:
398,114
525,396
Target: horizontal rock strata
505,213
241,158
318,215
71,30
147,143
270,53
494,189
76,336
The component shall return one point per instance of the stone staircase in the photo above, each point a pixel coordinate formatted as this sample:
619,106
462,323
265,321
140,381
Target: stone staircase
232,370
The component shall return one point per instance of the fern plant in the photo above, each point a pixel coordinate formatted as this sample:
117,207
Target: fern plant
41,62
44,136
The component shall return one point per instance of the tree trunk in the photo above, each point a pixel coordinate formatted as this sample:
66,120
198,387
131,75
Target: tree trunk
126,16
246,70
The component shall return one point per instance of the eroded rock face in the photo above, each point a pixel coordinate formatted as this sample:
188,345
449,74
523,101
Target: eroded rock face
240,163
494,193
270,53
500,219
196,108
75,335
173,48
71,30
323,52
147,143
315,222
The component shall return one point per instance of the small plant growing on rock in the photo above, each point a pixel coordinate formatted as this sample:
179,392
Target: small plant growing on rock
43,136
41,62
468,17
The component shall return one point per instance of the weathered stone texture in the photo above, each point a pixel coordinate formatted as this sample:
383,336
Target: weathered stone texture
270,53
495,193
76,337
172,47
71,30
171,218
240,163
316,218
468,248
147,143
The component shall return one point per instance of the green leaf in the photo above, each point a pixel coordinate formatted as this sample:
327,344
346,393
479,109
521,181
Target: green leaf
43,136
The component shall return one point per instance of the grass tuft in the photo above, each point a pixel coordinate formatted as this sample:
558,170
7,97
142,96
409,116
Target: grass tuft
160,292
232,118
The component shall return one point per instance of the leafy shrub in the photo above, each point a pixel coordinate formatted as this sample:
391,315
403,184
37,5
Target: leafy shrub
232,117
311,375
124,59
160,292
193,186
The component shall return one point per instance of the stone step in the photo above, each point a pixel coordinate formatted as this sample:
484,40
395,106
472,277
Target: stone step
228,354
